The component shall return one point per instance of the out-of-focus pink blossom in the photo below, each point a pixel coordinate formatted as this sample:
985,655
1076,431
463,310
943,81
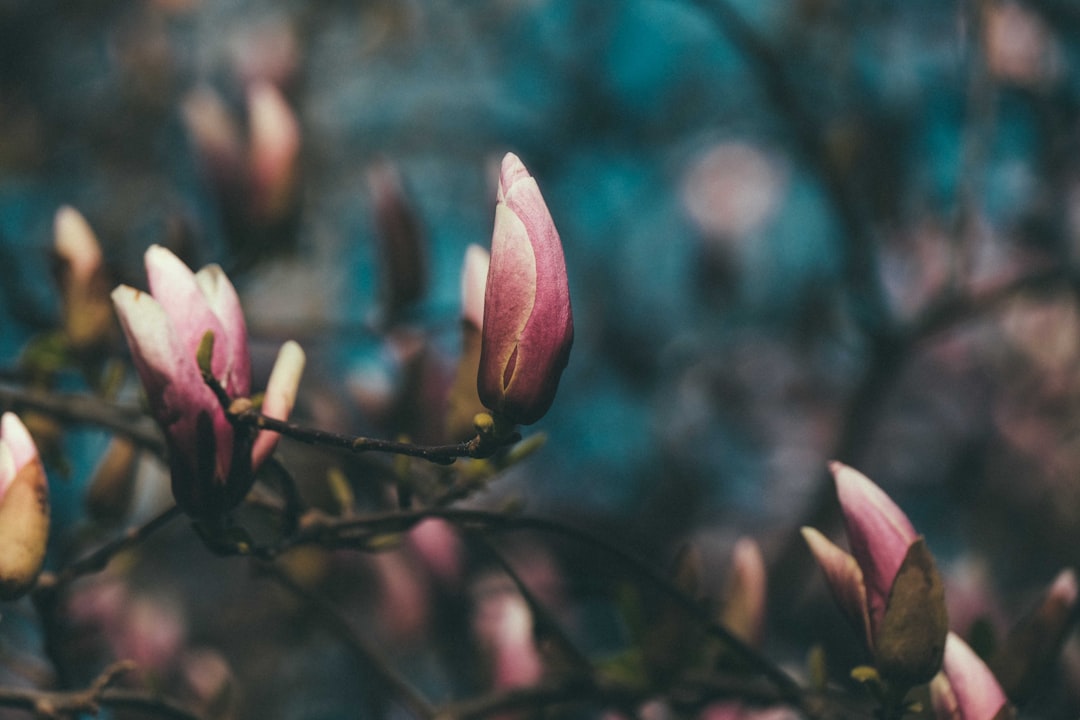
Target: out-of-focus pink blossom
474,284
731,189
274,147
164,329
24,508
1019,46
256,179
84,288
503,624
463,402
439,547
965,689
528,326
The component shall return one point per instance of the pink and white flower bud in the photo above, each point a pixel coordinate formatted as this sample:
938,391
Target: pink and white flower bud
84,289
164,329
965,689
862,582
528,325
274,147
24,509
880,535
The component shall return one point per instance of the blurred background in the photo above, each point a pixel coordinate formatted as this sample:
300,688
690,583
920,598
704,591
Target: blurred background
795,231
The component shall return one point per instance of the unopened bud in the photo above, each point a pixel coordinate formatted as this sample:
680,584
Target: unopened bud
24,509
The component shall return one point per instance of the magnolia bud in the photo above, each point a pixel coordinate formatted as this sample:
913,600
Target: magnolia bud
888,585
84,288
399,230
24,509
528,326
166,329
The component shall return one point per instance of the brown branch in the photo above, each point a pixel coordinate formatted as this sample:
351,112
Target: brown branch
97,560
241,412
73,703
87,409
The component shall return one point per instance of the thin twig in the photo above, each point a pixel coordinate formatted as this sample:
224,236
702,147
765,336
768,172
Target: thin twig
87,409
241,412
353,532
98,559
368,656
546,624
73,703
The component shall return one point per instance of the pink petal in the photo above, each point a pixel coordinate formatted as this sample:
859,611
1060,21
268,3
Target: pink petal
878,531
845,580
76,243
280,397
7,469
224,303
15,435
156,352
174,286
975,689
274,148
474,284
503,624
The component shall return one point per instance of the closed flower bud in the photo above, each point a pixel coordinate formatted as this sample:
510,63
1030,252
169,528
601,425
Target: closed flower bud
24,509
888,585
84,288
745,593
402,245
528,326
211,472
274,148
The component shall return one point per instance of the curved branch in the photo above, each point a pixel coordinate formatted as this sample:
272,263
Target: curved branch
355,532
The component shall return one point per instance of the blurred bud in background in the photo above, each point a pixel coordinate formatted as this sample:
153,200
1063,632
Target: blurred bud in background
403,271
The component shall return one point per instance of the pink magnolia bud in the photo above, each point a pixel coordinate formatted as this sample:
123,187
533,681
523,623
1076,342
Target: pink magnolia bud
24,509
863,582
84,289
164,330
965,689
274,147
528,326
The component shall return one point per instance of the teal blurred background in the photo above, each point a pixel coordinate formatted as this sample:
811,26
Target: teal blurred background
795,231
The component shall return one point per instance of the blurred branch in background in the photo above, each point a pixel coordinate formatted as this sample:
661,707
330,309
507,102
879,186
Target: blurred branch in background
794,232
